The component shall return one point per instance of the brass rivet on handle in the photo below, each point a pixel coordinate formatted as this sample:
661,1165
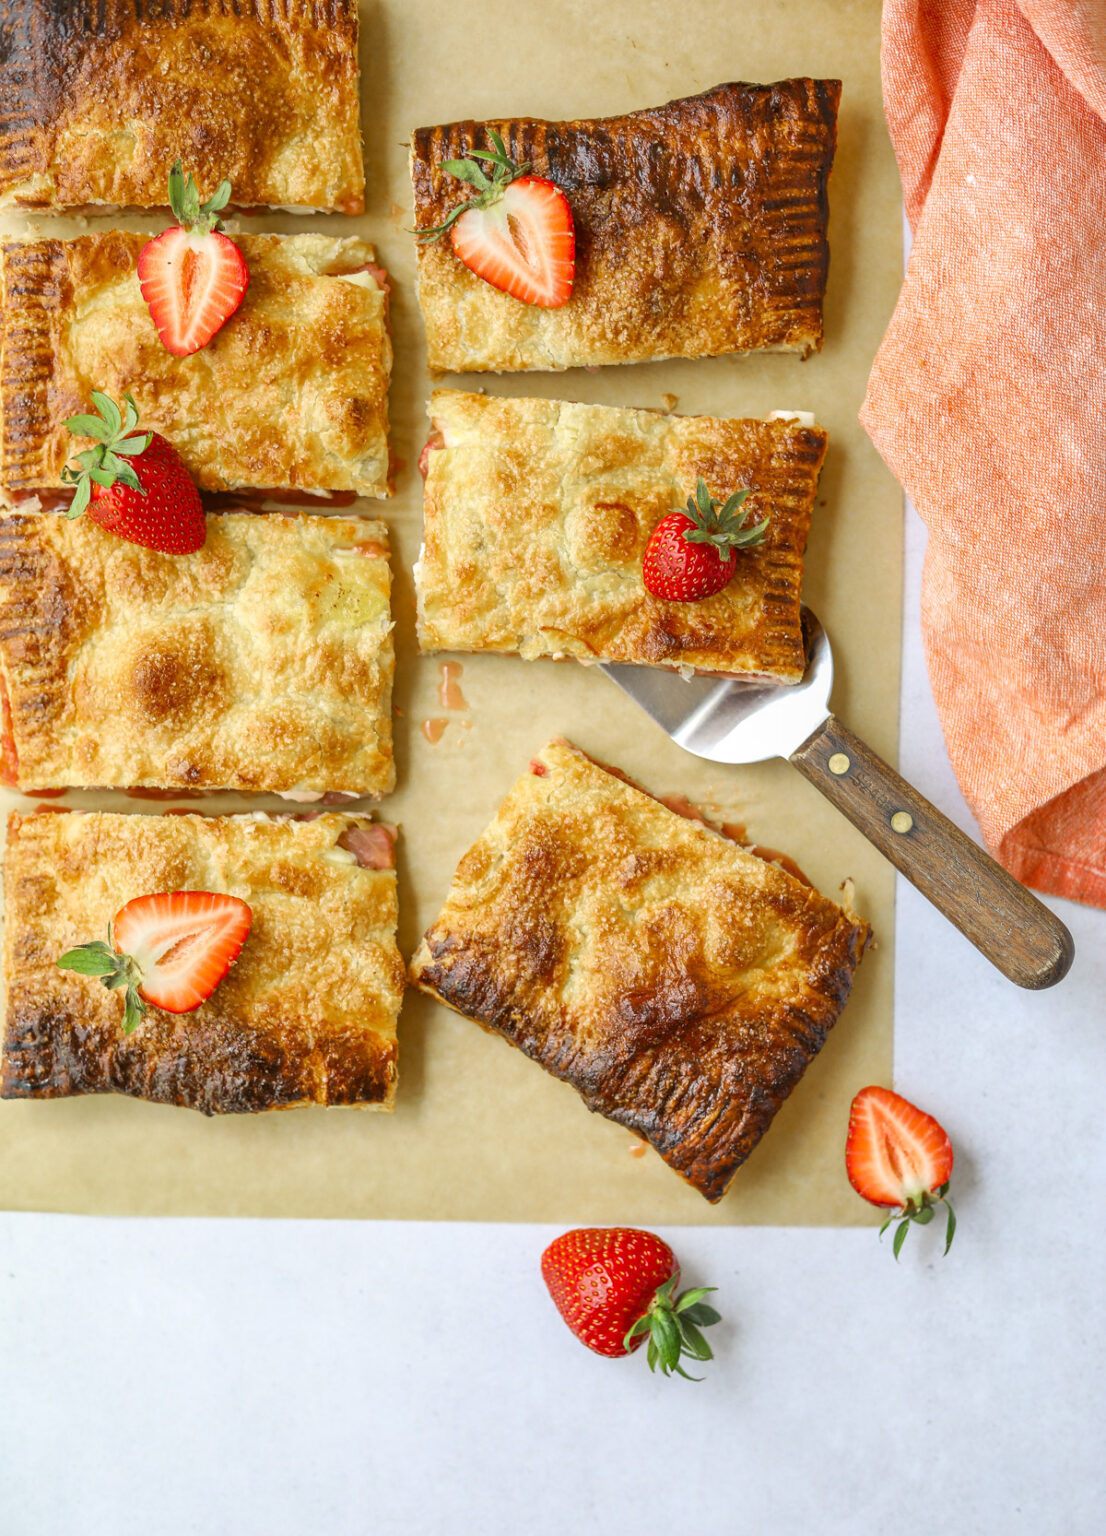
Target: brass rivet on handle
901,821
839,764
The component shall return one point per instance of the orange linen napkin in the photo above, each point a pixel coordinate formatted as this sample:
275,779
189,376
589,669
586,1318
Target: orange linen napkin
988,401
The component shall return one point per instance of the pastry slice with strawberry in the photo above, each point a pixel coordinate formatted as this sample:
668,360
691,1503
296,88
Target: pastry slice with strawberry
517,232
193,277
133,484
261,992
693,554
898,1156
168,951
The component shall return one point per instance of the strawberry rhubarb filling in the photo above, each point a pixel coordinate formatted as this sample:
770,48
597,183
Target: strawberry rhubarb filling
9,756
435,442
374,847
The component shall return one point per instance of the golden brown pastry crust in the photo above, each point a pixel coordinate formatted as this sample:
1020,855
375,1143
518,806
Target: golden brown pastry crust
101,96
291,393
700,229
679,983
307,1015
262,662
538,513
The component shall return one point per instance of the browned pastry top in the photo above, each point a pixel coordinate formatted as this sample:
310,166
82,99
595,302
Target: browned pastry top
263,662
99,97
307,1013
700,229
680,983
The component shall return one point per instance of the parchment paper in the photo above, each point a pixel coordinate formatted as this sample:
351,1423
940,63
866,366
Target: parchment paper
479,1132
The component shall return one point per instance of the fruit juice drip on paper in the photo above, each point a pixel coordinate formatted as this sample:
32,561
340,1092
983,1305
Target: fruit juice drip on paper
449,689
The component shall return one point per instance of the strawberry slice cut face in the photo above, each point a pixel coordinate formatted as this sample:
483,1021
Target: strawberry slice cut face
898,1156
192,284
192,277
524,244
182,943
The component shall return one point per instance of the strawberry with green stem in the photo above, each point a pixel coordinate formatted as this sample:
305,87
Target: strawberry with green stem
170,950
615,1287
897,1155
517,232
693,554
193,277
133,484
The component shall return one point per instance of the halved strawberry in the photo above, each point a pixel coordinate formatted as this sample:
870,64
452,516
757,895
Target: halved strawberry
897,1155
517,233
192,277
170,950
135,486
691,555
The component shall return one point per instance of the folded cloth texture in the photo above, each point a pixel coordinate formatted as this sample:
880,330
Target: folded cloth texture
988,401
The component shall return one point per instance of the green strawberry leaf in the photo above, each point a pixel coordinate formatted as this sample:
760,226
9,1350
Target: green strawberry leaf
219,198
464,170
950,1230
133,1011
94,959
109,411
80,500
900,1235
643,1325
693,1297
133,446
701,1315
694,1342
89,426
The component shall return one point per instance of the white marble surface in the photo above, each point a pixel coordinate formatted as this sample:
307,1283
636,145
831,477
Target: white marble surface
163,1378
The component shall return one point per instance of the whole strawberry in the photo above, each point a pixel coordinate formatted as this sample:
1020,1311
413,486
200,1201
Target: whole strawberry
692,554
615,1286
134,486
896,1155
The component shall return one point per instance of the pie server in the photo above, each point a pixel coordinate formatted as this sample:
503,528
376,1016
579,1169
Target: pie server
735,722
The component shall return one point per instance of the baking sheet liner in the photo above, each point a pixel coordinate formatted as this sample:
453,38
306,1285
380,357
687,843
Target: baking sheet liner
480,1132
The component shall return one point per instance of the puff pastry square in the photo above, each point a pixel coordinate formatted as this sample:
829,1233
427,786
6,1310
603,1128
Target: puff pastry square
307,1014
679,983
291,394
538,513
700,229
264,661
101,96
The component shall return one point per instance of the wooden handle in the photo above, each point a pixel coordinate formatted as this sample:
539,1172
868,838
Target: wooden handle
1000,917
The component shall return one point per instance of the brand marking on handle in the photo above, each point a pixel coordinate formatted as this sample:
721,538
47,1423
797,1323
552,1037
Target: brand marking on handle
901,821
839,764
